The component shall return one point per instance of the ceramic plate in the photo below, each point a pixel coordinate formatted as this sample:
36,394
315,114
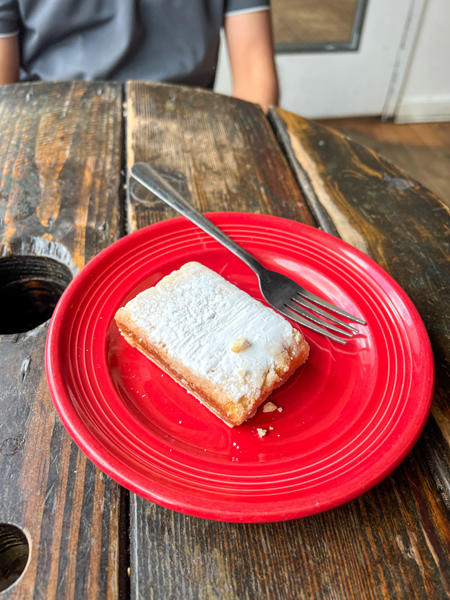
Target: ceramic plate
347,417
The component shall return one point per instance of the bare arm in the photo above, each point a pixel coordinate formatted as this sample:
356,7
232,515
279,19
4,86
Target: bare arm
9,59
250,49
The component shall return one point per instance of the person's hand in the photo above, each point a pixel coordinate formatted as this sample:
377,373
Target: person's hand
250,50
9,59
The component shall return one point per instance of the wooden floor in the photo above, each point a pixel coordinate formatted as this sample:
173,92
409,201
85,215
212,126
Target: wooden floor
420,149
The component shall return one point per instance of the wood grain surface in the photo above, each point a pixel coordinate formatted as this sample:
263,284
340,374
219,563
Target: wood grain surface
420,149
375,206
220,151
392,542
60,162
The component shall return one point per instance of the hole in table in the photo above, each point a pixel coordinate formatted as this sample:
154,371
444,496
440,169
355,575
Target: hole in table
14,552
30,287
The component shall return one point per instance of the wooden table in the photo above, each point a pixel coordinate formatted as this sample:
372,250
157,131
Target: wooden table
64,153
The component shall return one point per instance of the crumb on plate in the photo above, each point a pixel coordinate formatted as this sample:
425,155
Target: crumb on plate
269,407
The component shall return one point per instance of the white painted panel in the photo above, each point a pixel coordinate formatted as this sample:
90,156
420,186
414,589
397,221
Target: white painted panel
425,95
423,111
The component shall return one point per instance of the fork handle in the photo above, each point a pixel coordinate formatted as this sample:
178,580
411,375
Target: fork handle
152,180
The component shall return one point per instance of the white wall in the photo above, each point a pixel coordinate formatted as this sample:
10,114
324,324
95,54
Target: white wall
425,94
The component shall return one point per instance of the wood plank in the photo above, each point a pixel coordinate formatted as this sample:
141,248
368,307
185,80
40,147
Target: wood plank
388,543
223,155
391,542
60,162
220,151
406,230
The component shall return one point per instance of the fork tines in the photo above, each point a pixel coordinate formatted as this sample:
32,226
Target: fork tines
307,312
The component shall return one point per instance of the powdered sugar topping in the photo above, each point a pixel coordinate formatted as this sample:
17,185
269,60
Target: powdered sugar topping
196,316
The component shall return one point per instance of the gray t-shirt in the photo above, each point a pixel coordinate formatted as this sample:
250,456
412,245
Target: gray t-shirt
175,41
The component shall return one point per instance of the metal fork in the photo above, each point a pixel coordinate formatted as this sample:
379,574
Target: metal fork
283,294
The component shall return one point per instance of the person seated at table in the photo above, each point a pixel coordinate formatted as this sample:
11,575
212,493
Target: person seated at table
174,41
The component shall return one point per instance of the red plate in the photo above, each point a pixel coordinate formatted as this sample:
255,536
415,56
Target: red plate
349,415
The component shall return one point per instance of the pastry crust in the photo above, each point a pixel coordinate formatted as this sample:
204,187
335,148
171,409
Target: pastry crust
223,346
